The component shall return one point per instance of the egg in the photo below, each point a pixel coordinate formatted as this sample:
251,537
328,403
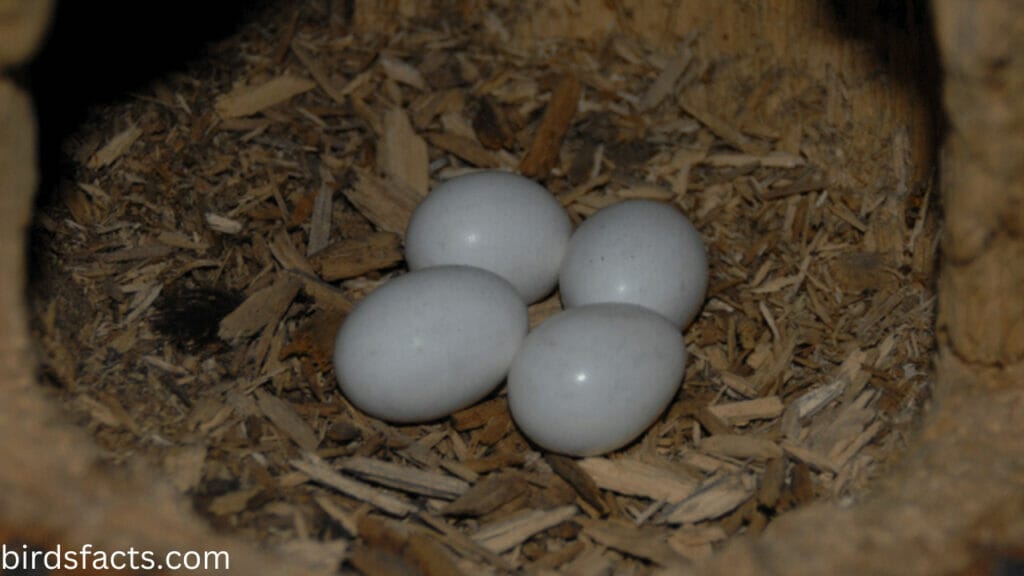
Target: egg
498,221
637,252
428,343
591,379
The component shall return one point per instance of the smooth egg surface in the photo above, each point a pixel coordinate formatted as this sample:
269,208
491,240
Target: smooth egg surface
637,252
428,343
498,221
591,379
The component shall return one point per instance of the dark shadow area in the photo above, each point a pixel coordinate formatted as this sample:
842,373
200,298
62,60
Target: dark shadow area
901,34
99,52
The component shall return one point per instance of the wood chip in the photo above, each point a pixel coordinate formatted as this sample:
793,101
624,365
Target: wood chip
741,413
403,72
248,100
387,204
593,560
713,422
741,446
807,456
465,149
287,254
488,495
115,148
720,127
320,219
462,543
547,143
666,81
232,502
812,401
831,435
405,478
357,256
478,415
262,308
418,547
285,419
330,505
570,471
841,457
772,482
491,126
646,543
331,86
320,472
520,526
541,311
326,296
773,160
638,478
137,253
403,153
739,384
811,182
694,542
222,224
714,499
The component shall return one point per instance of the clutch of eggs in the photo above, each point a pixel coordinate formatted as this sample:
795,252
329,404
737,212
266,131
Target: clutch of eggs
482,246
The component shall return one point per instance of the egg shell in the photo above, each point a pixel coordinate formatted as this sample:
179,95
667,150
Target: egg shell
591,379
498,221
637,252
428,343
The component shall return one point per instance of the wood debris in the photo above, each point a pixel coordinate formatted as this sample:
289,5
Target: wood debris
357,256
694,542
578,478
666,81
388,205
741,413
403,153
115,148
543,153
417,547
488,495
716,498
637,478
405,478
512,531
248,100
465,148
285,418
262,308
648,544
319,471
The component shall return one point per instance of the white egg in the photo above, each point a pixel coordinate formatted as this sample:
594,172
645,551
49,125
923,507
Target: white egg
428,343
498,221
591,379
637,252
